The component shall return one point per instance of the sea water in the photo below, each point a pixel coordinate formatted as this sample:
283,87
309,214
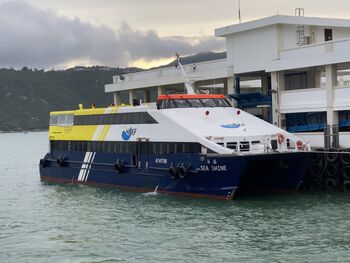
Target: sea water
42,222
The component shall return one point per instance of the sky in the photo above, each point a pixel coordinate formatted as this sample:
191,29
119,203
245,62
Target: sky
66,33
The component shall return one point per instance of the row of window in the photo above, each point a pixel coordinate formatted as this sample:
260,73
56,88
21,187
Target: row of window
102,119
126,147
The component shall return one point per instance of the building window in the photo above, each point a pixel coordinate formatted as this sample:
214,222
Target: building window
328,34
296,81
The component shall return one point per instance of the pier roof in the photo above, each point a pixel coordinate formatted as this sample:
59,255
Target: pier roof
281,19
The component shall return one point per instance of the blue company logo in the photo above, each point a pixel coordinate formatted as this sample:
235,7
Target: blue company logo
126,135
231,126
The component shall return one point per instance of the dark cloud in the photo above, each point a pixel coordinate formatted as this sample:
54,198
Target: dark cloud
40,38
148,45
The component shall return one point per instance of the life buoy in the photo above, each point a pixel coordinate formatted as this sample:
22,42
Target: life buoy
280,138
118,166
173,173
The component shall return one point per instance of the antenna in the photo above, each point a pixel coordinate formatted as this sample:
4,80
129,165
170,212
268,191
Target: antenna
188,84
239,11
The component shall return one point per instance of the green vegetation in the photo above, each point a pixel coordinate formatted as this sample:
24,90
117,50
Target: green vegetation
29,95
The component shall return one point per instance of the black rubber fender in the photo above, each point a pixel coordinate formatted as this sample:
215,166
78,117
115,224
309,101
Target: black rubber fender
43,162
61,160
332,170
316,170
118,166
345,158
331,184
332,156
182,171
322,165
173,172
346,186
345,173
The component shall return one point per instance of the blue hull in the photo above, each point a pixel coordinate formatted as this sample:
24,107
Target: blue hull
213,176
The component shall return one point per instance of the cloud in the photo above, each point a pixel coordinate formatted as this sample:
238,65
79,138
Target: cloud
148,45
39,38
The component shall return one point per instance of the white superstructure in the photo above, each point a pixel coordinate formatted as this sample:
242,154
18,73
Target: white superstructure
301,62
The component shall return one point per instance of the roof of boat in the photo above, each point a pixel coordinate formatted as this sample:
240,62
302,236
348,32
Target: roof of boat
190,96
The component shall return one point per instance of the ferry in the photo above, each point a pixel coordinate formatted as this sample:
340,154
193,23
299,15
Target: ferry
190,144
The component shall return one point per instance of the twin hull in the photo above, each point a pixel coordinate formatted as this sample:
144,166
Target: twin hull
216,176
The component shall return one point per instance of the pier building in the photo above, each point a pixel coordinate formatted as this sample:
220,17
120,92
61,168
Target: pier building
293,71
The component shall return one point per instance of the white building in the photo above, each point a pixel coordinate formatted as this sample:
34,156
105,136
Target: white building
303,63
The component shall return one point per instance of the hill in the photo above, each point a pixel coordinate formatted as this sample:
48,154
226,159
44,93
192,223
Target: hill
28,95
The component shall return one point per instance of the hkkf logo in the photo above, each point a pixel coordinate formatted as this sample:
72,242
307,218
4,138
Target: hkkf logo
126,134
232,125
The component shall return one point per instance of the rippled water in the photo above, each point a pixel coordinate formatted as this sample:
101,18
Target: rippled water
65,223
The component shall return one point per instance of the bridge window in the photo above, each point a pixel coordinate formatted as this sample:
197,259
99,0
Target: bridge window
193,103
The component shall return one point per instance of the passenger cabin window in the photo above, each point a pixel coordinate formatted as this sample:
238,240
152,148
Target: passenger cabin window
149,148
328,34
115,118
62,120
193,103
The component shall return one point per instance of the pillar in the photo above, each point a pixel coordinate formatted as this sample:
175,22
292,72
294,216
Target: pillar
116,96
318,78
229,86
147,96
131,97
331,82
160,90
277,85
265,90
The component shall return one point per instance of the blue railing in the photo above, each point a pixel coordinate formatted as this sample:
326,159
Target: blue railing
306,121
251,100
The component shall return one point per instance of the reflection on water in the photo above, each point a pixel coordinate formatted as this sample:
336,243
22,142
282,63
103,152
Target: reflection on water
42,222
